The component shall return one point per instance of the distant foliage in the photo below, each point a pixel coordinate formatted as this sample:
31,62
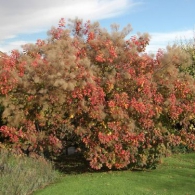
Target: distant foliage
189,48
123,105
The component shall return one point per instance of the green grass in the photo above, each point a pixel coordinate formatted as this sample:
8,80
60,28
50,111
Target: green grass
175,176
20,175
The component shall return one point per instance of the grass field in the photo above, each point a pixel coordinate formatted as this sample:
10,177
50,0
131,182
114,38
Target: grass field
175,176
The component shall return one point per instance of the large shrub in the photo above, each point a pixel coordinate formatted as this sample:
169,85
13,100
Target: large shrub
121,104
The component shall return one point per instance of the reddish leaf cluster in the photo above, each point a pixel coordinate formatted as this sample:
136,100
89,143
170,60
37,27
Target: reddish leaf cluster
121,103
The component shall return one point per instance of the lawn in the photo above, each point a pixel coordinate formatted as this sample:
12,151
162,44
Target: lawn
175,176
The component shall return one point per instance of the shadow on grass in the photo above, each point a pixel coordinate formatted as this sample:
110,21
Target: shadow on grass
77,164
175,176
72,164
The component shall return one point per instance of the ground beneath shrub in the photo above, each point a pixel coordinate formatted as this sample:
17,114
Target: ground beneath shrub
175,176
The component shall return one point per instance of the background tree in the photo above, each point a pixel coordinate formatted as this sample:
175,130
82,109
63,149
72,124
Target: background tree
189,47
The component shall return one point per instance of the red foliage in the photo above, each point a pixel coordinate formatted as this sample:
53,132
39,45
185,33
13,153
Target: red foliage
120,102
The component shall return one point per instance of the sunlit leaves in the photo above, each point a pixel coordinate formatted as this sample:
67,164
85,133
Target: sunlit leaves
121,104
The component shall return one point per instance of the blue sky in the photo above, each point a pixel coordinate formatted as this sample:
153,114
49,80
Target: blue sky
166,21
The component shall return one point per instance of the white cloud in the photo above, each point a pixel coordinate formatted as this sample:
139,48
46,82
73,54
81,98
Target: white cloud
32,16
8,47
21,16
35,16
161,40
